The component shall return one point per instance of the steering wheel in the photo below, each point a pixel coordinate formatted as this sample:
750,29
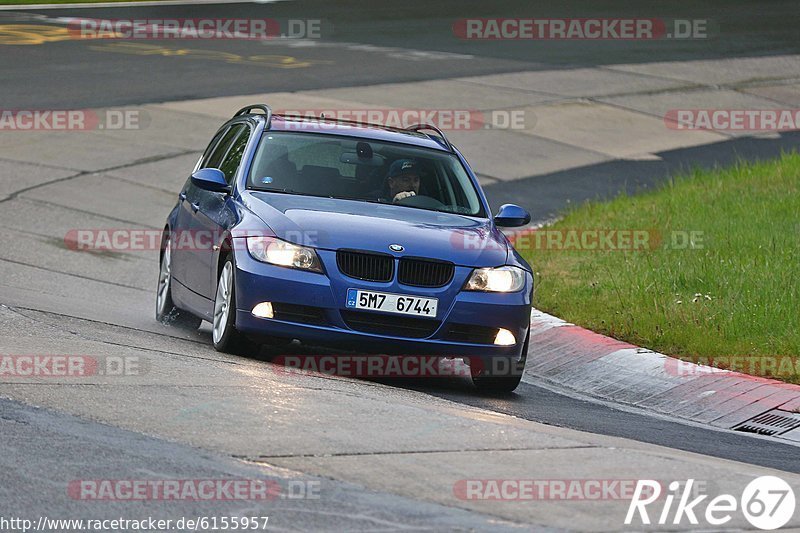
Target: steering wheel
420,200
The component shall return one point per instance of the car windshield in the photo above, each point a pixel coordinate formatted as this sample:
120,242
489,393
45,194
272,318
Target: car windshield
366,170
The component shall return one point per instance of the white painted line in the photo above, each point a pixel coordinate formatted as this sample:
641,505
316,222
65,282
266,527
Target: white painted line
542,321
22,7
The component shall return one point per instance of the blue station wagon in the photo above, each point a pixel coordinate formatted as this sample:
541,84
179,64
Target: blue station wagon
346,234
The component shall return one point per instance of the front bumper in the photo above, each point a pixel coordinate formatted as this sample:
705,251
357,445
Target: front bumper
258,282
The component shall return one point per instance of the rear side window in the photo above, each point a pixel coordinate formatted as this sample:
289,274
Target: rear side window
233,159
218,154
210,150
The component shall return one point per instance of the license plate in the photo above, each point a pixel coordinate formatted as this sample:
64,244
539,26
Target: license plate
401,304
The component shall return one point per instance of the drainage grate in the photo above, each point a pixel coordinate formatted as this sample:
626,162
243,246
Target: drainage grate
775,422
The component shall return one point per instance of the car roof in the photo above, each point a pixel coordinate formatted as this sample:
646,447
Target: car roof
362,131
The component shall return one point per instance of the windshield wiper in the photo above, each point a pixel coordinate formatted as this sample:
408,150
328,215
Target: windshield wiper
357,199
284,191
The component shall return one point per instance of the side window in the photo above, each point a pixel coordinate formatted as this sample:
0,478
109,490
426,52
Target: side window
216,157
233,159
210,149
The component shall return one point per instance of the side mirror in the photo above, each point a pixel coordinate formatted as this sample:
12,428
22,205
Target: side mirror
211,179
511,216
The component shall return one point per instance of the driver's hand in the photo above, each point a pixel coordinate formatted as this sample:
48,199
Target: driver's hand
403,195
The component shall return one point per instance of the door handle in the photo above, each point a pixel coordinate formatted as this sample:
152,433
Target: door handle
182,196
195,208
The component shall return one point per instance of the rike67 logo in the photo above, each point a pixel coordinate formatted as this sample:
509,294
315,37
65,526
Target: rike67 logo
768,502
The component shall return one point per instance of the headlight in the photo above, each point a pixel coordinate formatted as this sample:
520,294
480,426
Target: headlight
500,279
277,252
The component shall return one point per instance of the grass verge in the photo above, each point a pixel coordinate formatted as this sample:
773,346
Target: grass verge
717,281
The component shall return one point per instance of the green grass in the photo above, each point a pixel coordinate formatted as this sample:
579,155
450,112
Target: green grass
746,269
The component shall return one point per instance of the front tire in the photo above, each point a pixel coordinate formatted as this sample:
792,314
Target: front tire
166,311
499,375
224,334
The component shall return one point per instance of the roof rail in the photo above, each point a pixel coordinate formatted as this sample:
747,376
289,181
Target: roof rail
420,127
263,107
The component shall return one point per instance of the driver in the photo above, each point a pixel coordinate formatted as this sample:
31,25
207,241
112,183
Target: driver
402,181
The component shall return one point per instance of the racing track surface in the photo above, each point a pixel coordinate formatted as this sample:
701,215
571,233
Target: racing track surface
387,453
363,43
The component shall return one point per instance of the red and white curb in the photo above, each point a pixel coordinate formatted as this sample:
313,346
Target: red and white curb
581,360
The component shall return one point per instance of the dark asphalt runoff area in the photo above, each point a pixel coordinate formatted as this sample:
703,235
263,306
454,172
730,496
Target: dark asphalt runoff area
89,73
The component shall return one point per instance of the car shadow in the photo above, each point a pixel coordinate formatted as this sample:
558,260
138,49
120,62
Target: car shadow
452,376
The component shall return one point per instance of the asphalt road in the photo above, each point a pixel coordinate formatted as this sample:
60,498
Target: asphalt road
409,41
33,473
199,414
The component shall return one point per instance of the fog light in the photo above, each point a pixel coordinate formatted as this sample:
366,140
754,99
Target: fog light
263,310
505,338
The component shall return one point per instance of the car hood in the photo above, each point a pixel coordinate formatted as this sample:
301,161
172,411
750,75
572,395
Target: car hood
332,224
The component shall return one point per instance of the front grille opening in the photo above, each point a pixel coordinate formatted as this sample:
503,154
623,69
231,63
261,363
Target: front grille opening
365,266
392,325
303,314
470,333
425,272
